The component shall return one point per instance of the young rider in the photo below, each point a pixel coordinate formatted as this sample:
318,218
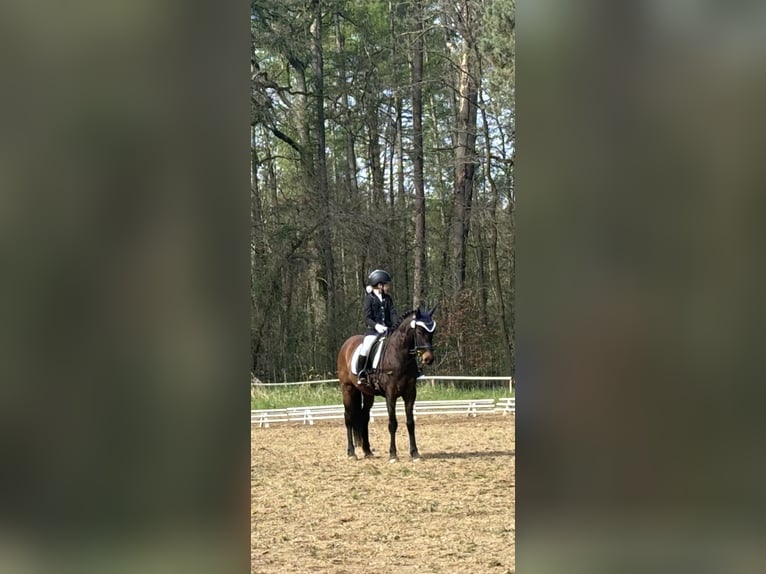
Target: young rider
379,315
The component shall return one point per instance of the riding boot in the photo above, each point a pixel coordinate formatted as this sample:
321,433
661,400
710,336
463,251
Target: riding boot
360,364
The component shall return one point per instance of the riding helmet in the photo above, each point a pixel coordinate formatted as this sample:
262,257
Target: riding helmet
378,276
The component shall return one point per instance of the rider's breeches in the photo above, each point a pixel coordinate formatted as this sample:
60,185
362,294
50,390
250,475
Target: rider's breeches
366,344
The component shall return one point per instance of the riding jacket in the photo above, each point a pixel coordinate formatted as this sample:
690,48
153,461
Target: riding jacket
377,311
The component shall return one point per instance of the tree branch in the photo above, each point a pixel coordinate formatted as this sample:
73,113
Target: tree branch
286,138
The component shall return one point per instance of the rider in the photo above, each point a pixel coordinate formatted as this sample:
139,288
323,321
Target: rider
379,315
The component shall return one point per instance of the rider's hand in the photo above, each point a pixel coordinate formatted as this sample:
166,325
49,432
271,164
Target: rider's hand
381,328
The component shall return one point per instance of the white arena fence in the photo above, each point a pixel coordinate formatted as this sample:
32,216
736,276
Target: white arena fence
307,415
258,384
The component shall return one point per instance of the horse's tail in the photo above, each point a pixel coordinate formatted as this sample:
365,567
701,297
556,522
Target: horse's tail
356,426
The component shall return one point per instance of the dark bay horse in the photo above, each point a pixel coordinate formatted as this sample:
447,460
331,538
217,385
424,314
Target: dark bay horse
408,341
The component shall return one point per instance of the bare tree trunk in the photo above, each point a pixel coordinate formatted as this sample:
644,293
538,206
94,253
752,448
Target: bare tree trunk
256,242
494,263
258,319
326,273
400,151
465,150
405,222
482,274
353,186
256,218
270,176
444,212
398,237
418,291
349,177
374,154
389,153
301,113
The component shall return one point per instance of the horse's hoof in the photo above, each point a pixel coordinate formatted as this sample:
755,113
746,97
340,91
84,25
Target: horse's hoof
352,457
416,458
393,459
369,455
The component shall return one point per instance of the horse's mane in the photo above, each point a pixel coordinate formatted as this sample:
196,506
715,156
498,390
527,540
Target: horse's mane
402,317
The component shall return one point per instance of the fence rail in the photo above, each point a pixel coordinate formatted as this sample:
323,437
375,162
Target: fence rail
307,415
258,384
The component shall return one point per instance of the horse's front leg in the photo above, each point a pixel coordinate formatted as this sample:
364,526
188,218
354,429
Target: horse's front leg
409,403
392,424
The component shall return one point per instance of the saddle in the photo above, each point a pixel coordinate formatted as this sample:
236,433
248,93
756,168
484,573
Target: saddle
371,366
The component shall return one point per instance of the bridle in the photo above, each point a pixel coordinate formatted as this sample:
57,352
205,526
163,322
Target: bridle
416,349
420,349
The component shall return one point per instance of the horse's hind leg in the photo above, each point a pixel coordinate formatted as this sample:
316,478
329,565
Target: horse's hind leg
350,407
365,421
349,434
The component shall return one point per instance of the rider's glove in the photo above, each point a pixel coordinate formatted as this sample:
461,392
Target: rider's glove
380,328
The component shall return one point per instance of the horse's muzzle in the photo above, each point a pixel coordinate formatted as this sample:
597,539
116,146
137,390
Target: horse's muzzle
426,356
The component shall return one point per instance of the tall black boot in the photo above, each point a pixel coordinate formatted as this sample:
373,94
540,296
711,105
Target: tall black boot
362,373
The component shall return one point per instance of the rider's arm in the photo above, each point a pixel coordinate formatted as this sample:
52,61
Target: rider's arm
368,314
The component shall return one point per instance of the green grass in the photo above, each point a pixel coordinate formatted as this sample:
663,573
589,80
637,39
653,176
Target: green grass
329,394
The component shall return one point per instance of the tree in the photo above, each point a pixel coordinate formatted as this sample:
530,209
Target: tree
326,276
465,149
418,291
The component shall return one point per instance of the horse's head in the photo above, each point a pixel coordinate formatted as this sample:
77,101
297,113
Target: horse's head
424,327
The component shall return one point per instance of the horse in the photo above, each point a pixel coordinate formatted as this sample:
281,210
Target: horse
408,341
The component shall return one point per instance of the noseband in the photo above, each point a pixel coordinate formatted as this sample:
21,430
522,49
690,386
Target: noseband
420,349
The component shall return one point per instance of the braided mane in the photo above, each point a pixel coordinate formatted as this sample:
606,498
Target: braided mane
402,317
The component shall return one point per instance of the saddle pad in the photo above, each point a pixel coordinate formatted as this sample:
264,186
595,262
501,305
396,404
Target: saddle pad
376,350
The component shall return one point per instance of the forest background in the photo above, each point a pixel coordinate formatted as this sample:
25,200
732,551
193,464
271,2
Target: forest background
382,136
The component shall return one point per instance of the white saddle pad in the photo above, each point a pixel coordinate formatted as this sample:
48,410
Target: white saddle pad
355,358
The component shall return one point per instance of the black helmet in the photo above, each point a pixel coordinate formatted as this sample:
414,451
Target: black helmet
378,276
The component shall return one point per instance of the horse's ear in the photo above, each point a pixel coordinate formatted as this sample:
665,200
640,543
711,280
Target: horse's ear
431,312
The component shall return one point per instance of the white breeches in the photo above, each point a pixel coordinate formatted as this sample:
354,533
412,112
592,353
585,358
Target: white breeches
364,349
